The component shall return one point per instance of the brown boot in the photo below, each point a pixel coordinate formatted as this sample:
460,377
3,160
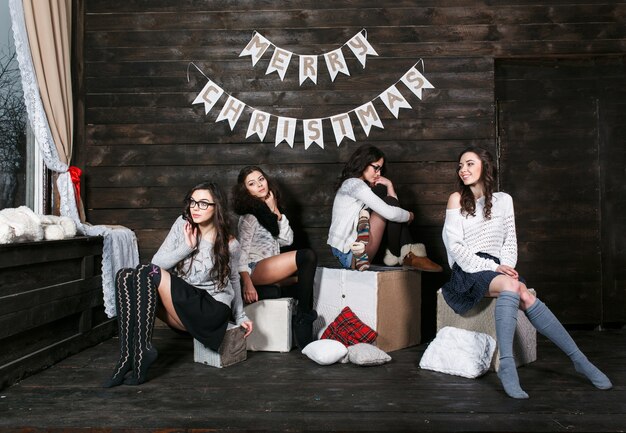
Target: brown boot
421,263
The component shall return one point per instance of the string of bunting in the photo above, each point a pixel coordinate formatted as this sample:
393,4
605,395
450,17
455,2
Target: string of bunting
308,64
367,115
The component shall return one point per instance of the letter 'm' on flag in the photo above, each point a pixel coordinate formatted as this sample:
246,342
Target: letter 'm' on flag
342,127
256,47
415,81
209,95
368,117
394,100
335,62
259,121
279,62
313,132
285,130
361,48
231,111
308,68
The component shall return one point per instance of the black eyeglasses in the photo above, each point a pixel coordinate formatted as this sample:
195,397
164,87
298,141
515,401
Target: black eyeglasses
204,205
376,168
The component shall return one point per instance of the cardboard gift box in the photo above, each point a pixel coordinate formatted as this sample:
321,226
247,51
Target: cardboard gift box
386,299
232,350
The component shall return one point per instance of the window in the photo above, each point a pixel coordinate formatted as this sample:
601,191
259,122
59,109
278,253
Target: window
22,172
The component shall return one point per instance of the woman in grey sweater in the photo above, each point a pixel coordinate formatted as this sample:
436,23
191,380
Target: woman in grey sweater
192,285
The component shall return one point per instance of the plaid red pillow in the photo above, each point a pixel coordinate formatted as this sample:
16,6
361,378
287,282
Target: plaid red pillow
348,329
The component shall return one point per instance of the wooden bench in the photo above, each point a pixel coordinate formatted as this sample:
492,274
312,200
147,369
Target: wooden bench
50,303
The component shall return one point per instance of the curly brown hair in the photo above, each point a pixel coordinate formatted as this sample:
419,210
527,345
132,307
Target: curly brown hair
487,176
243,201
221,253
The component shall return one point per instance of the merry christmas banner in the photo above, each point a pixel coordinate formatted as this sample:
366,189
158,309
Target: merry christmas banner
308,63
342,123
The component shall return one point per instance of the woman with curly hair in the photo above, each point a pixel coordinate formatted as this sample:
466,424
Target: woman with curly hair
481,242
263,230
366,207
192,285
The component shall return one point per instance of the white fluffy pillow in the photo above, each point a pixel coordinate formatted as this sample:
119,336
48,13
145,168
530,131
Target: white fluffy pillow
367,354
325,352
459,352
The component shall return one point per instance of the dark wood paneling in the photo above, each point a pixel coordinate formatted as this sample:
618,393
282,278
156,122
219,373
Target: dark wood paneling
145,143
557,148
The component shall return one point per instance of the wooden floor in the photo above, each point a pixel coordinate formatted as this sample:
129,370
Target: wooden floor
286,392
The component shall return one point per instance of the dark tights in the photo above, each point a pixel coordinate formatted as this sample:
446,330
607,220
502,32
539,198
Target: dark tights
306,263
396,235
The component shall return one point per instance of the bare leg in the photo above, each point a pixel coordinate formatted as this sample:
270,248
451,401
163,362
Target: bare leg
377,229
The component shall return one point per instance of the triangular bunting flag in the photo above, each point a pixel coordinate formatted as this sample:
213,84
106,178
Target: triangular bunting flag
256,47
415,81
259,121
209,96
361,48
368,117
231,111
335,62
394,100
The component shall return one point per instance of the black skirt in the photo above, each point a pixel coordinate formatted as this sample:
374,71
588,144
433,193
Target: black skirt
204,318
465,289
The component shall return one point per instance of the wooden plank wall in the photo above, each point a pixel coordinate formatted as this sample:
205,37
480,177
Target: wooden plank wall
142,144
551,112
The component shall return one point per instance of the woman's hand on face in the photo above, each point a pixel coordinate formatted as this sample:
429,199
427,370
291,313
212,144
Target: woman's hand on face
248,326
270,201
191,234
383,181
507,270
250,294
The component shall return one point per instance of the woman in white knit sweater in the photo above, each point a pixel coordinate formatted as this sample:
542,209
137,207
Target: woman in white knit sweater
265,271
366,205
480,239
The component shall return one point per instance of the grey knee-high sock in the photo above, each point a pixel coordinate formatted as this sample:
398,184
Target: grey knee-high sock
506,321
547,324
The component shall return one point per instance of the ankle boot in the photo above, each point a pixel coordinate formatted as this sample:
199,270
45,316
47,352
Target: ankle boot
125,305
414,255
302,327
390,259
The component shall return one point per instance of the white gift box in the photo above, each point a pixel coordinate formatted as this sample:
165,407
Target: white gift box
272,325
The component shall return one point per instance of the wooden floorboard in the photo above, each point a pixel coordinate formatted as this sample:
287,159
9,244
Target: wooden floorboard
287,392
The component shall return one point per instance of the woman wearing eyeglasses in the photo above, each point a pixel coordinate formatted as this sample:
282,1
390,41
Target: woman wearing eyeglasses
263,230
366,206
192,285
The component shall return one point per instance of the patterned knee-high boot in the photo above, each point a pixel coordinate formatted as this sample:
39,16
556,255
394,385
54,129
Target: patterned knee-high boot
146,282
125,304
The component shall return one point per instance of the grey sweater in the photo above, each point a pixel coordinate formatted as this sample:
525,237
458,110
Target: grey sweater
174,249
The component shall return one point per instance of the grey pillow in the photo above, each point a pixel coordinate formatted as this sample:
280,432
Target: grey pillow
366,354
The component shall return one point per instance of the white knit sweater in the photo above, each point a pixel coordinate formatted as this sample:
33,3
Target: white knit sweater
257,243
464,236
352,196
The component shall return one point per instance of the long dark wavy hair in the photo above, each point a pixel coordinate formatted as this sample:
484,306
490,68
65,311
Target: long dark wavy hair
487,176
358,162
221,255
243,201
